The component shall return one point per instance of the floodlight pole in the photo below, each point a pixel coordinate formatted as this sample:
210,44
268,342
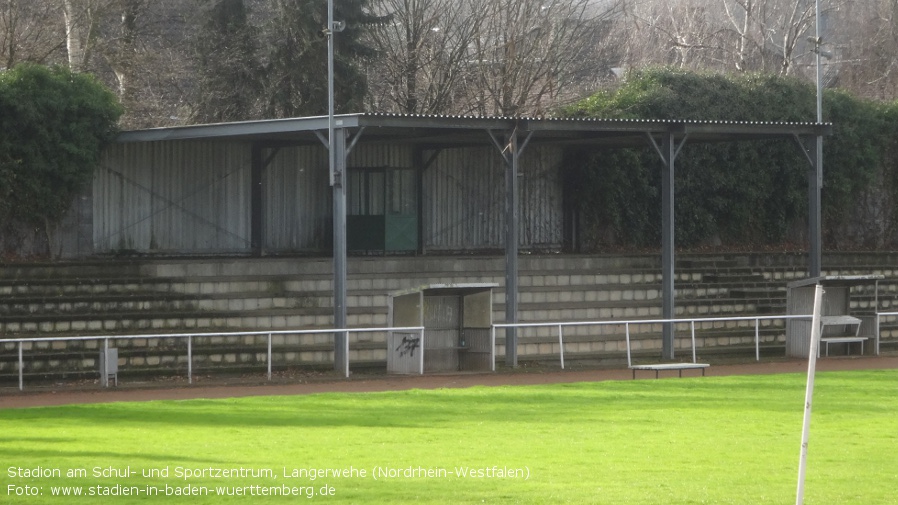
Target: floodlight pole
815,216
336,153
329,32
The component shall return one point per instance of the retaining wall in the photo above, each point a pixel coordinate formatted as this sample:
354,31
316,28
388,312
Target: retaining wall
106,298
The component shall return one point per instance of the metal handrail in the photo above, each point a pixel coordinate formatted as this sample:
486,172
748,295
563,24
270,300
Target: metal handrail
691,321
189,337
878,316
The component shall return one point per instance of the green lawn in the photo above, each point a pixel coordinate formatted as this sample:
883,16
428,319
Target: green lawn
697,440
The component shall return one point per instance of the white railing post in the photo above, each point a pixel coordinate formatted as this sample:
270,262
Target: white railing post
757,339
104,381
692,329
346,350
492,348
421,353
21,368
876,335
561,346
269,356
627,335
189,359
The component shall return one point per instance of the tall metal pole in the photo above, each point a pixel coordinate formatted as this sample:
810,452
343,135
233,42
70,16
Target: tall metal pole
341,355
816,178
819,71
329,31
337,167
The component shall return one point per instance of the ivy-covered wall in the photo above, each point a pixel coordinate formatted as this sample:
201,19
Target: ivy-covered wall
747,194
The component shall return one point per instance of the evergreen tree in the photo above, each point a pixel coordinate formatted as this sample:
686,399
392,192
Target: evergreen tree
297,57
226,53
54,124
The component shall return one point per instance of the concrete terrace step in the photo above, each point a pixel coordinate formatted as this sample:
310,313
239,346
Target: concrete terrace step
707,262
231,290
157,300
78,285
144,322
219,294
112,306
80,269
758,293
733,277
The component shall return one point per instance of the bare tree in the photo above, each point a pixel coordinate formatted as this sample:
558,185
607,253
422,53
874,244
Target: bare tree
770,27
681,33
139,51
225,55
423,53
529,52
863,40
772,35
82,22
508,57
28,32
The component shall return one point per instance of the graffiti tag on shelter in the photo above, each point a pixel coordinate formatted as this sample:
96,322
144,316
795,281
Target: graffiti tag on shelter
408,346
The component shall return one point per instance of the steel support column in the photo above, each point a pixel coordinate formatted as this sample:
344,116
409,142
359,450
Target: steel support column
511,249
339,202
667,151
667,246
511,151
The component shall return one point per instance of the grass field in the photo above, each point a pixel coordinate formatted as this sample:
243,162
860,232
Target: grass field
681,441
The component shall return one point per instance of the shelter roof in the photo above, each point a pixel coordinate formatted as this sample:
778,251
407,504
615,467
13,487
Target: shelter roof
458,131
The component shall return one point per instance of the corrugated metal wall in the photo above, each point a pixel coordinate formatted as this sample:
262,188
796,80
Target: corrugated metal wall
173,196
380,155
464,200
298,196
297,200
194,197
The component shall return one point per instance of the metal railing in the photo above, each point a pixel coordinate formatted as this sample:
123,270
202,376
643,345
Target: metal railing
560,326
627,323
190,336
879,316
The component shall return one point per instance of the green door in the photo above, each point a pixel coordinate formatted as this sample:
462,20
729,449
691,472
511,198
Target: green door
382,210
401,223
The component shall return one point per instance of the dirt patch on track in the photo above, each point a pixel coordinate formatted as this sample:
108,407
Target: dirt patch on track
230,388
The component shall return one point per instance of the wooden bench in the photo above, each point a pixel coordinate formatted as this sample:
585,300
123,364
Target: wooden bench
679,367
848,337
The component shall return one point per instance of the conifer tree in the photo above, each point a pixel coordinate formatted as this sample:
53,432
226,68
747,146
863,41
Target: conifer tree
296,71
226,55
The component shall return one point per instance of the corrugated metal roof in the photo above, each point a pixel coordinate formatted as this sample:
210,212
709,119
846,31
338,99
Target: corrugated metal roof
575,119
449,130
